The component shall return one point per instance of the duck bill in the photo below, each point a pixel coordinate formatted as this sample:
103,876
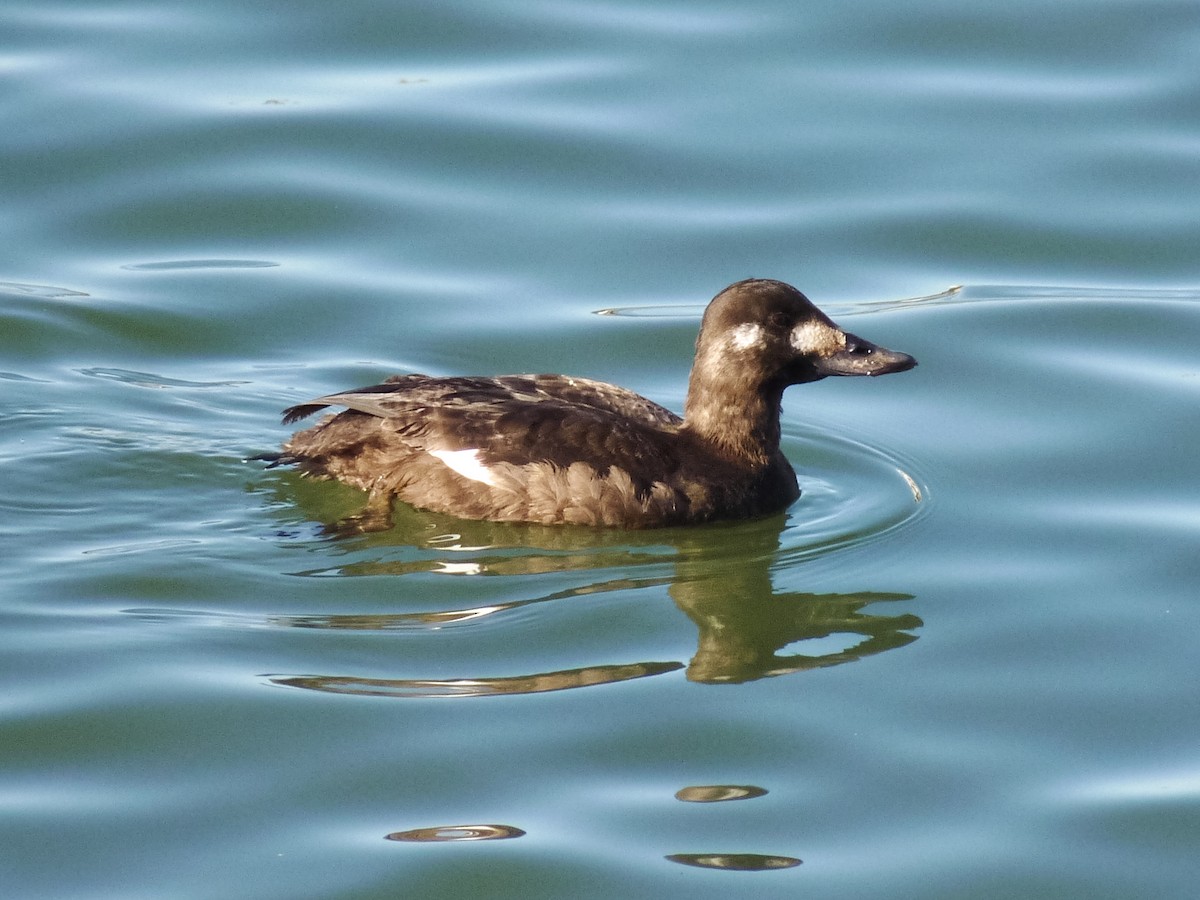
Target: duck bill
861,357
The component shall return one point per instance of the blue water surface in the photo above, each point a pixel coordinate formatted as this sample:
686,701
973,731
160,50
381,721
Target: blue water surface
960,666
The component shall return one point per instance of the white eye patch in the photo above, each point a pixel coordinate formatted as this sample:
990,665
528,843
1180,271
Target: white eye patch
816,337
466,463
745,336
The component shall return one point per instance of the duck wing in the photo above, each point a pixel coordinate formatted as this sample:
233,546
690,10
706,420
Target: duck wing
516,419
401,394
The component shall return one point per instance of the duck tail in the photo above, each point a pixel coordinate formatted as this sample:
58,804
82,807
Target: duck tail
301,411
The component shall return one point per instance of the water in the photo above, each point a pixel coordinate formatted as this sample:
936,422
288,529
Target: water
961,665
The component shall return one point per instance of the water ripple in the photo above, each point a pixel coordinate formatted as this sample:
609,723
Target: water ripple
149,379
445,833
44,291
735,862
719,793
835,308
851,493
184,264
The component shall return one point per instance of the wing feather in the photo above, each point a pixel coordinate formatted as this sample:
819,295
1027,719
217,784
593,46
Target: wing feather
517,419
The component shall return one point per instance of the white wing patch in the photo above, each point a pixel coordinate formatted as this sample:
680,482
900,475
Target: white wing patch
466,463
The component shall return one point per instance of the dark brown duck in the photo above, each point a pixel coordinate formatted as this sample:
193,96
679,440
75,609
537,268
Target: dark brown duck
558,450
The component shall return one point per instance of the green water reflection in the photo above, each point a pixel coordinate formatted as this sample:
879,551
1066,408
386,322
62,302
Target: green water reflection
743,625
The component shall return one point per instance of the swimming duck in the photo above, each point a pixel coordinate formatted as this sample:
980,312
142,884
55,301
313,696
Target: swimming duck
558,450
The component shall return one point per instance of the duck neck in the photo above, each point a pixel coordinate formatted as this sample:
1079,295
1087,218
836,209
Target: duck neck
740,421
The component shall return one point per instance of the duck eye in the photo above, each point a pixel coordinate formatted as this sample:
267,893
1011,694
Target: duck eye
854,348
778,320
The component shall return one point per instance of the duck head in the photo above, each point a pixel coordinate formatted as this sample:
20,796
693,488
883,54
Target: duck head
770,332
758,337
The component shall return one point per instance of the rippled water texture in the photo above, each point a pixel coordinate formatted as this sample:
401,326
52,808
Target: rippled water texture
961,665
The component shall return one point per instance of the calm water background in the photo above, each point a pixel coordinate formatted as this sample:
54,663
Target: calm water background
963,665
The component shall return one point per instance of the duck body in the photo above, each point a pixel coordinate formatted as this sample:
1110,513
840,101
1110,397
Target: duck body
552,449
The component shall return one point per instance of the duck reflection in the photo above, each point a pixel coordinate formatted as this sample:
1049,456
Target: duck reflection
477,687
719,576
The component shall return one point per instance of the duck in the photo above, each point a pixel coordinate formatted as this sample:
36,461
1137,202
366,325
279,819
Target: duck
561,450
